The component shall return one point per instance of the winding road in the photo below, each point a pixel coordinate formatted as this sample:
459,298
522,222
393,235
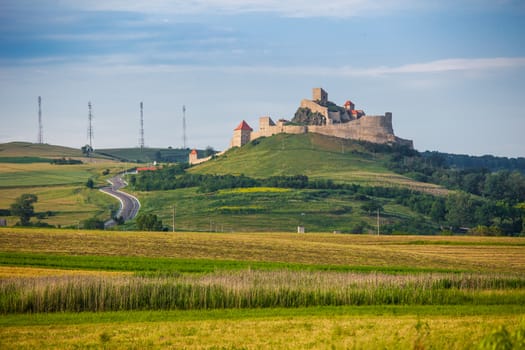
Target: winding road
129,205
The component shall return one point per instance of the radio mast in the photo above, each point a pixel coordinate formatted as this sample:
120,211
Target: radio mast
184,126
40,127
90,127
141,141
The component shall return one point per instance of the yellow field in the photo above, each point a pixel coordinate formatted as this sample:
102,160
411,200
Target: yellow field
483,254
17,272
302,332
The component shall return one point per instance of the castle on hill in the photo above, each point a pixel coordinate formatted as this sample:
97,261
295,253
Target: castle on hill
319,115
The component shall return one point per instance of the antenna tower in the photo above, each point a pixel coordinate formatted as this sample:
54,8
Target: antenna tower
90,127
141,141
40,127
184,126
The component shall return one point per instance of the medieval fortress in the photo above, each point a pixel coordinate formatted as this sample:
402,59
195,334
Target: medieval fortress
319,115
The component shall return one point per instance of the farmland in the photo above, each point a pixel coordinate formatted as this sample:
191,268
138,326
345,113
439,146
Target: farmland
265,290
63,199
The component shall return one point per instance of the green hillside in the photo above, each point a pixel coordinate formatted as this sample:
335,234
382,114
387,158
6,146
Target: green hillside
319,206
27,149
314,155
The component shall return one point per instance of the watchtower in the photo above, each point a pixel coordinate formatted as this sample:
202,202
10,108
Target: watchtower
241,134
319,95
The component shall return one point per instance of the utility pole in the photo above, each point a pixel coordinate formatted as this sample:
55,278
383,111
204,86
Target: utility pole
173,218
40,127
378,221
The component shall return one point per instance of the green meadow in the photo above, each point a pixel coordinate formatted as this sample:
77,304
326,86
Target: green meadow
264,290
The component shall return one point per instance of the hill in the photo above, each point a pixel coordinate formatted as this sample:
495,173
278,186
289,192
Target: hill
340,185
316,156
148,155
27,149
63,198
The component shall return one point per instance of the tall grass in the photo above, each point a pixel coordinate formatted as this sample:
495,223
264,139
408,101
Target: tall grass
253,289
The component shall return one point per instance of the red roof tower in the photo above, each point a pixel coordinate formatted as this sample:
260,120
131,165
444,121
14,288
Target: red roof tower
243,126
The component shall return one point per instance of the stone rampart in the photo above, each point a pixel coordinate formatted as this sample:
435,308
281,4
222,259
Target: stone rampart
314,107
377,129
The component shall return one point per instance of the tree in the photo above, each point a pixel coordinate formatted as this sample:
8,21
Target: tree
438,210
90,183
209,151
87,150
460,209
93,224
149,222
23,208
371,207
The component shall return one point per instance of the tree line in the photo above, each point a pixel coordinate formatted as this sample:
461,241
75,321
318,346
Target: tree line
496,209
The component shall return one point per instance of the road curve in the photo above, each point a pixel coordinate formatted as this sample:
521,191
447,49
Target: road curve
129,205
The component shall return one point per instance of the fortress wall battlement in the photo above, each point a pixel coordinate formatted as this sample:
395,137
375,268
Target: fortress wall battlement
266,129
377,129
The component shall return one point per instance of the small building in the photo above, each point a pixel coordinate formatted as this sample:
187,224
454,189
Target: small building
301,229
146,168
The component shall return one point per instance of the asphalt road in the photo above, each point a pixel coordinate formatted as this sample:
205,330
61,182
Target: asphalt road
129,205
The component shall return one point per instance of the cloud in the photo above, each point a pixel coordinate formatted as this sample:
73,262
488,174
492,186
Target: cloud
439,66
289,8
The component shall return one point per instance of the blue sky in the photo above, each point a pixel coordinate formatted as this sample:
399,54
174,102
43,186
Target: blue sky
451,72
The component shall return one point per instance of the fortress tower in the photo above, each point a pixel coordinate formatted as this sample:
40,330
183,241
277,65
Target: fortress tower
320,96
241,135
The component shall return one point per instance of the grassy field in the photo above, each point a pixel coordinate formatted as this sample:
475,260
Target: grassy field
269,290
265,290
271,209
303,328
24,149
314,155
60,189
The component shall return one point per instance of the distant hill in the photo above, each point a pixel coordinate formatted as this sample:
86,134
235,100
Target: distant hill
489,162
148,155
27,149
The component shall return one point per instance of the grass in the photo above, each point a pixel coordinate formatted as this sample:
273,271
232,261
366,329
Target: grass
60,189
69,204
254,289
263,290
327,327
265,209
314,155
24,149
468,254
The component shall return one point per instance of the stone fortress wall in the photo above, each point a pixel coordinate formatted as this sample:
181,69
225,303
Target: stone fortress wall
371,128
346,123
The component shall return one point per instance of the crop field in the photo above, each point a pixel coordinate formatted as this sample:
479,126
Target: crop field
62,194
99,289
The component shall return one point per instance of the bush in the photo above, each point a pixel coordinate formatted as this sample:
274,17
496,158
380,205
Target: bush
93,224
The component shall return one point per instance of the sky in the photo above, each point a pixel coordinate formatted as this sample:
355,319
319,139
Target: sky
452,72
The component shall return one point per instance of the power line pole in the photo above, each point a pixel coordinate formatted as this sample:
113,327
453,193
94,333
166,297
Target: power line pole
141,141
173,218
40,127
378,221
90,128
184,126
